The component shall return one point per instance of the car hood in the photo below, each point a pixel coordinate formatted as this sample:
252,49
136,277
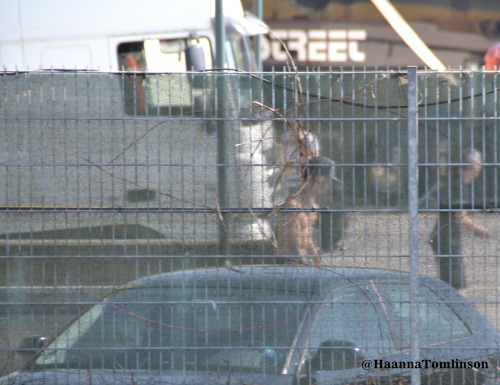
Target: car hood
116,377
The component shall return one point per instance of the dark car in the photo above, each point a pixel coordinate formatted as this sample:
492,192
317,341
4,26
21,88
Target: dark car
269,325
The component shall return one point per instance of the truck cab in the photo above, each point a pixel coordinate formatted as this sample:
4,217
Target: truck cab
114,35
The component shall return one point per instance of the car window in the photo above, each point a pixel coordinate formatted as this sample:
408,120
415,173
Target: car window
437,320
373,321
350,326
184,329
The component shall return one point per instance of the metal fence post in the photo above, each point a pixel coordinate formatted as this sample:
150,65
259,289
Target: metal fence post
221,108
222,157
413,217
220,35
258,8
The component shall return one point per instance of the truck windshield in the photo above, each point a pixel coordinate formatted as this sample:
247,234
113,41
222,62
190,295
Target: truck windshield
241,55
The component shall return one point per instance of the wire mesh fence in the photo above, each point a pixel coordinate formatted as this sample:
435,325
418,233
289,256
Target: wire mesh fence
290,196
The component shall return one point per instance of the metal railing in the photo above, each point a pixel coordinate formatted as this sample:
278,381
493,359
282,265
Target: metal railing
108,177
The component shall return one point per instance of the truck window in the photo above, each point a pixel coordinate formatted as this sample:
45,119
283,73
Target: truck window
131,56
147,93
241,50
170,56
160,55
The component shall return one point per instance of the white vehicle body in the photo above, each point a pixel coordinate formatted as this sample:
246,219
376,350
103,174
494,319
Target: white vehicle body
92,34
155,43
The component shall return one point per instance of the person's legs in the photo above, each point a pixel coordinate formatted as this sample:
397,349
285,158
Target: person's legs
451,270
446,244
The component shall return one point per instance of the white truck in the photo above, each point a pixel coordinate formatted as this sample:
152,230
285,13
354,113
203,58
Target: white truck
151,142
96,34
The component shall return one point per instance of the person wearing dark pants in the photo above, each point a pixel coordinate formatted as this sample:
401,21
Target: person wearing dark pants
456,190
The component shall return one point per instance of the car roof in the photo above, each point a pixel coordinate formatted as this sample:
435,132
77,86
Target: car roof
299,278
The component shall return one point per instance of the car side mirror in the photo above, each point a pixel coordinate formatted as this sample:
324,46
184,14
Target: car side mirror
30,346
336,355
331,355
195,58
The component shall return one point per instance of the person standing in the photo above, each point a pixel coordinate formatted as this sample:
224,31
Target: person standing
455,192
492,58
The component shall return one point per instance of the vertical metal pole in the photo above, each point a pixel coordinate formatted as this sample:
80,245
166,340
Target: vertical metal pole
221,112
258,39
413,218
222,157
220,34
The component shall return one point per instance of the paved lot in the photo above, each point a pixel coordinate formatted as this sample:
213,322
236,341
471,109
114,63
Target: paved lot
381,240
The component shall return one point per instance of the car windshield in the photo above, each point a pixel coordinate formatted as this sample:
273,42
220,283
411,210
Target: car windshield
182,329
218,328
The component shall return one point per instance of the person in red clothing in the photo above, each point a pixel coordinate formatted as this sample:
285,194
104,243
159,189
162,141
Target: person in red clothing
131,62
492,58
